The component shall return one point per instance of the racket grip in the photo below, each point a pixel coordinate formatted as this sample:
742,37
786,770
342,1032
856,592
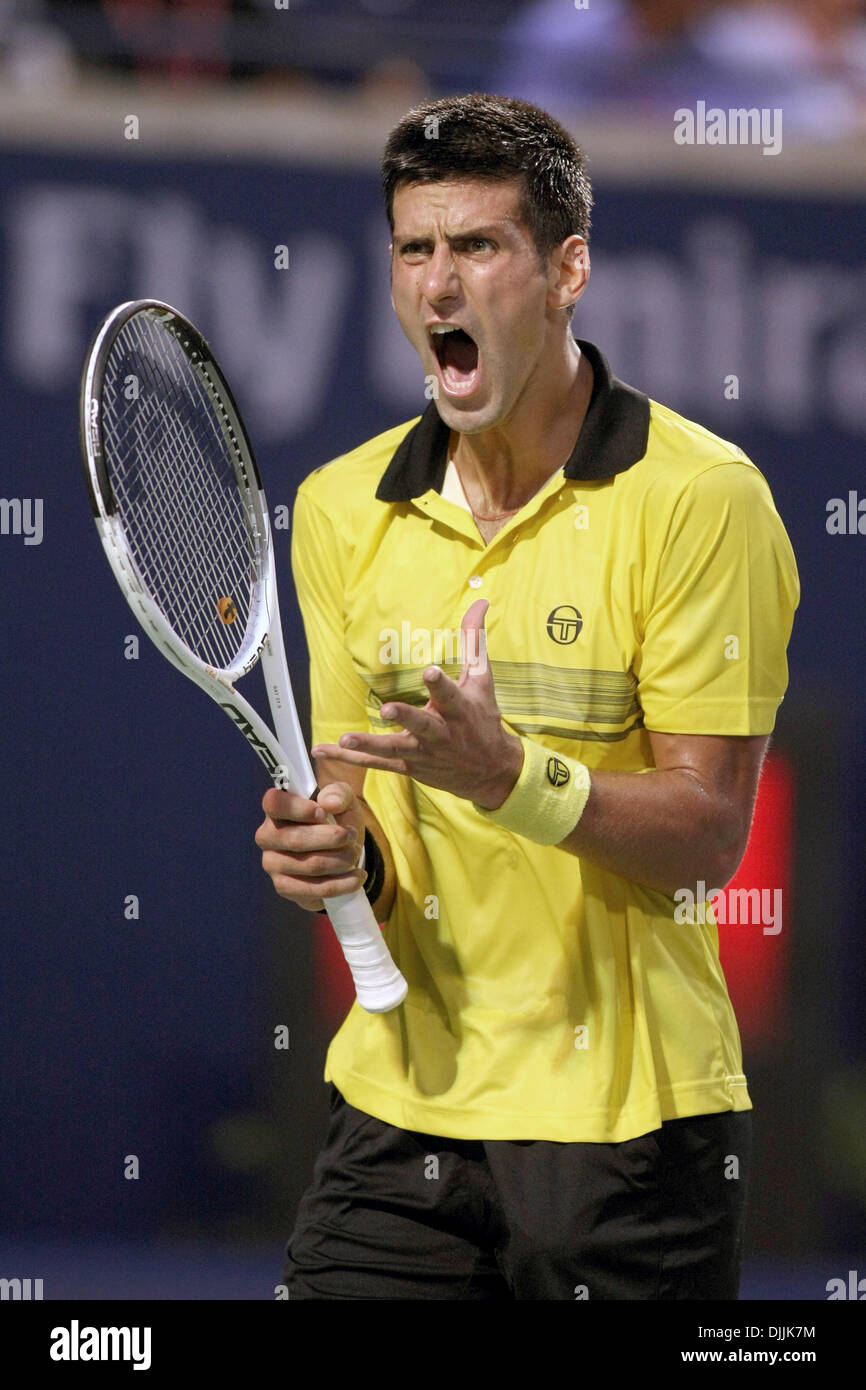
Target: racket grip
378,983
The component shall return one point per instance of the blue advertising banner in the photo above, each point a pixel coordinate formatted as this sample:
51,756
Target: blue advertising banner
134,955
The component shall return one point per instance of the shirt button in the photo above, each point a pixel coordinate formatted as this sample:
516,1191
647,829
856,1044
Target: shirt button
475,581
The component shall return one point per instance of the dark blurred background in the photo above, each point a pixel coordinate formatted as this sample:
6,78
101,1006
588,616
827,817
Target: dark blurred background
166,150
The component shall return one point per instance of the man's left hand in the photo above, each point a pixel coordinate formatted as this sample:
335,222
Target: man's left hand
457,742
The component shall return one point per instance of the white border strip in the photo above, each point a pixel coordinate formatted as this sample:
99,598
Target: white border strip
348,133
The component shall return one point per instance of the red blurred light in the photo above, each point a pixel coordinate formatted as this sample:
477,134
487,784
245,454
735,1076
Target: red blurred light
754,960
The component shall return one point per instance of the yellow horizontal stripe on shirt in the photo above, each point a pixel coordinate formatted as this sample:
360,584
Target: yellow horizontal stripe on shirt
529,691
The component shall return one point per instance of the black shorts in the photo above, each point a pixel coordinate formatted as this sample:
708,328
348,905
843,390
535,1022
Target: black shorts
396,1214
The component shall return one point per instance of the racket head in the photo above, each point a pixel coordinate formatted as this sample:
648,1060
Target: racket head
175,489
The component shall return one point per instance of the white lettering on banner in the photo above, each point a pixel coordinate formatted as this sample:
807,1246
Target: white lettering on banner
276,335
396,374
801,303
62,244
677,322
169,240
281,334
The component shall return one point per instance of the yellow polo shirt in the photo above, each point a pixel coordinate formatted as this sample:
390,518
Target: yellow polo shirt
650,584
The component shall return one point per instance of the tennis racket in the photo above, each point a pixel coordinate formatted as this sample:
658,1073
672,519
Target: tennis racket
181,514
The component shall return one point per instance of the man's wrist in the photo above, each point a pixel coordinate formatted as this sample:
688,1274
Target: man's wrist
373,860
507,776
548,798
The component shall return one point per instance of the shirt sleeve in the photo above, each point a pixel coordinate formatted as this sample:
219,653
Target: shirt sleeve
719,603
320,554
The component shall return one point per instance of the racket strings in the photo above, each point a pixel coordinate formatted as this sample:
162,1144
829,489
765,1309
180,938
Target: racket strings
178,496
214,548
164,514
188,593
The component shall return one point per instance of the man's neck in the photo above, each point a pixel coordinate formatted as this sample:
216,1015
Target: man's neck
502,468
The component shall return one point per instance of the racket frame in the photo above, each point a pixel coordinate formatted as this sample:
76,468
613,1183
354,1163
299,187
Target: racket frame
379,988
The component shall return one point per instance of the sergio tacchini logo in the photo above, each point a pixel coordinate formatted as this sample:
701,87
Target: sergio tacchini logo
557,772
564,624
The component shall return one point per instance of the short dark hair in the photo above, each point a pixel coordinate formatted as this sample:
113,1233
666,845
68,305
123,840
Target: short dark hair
491,137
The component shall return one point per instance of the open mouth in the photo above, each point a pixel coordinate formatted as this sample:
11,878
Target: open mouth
457,356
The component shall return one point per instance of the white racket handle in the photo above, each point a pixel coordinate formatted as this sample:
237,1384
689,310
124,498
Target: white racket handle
378,983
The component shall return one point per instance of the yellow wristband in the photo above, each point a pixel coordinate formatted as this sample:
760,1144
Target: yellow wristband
548,798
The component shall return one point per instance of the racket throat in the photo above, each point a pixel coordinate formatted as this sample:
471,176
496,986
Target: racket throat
221,677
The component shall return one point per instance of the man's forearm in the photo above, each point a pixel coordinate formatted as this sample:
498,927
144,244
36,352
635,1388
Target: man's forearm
666,828
661,829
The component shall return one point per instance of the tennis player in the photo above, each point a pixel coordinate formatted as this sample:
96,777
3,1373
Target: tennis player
547,624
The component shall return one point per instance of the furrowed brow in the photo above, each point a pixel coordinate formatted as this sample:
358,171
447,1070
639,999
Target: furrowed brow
400,242
490,232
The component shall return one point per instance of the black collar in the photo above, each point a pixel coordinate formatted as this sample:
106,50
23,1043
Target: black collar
613,436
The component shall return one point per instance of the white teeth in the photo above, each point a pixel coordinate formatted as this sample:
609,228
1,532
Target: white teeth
444,328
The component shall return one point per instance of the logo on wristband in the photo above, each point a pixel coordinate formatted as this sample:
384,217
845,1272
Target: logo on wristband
557,772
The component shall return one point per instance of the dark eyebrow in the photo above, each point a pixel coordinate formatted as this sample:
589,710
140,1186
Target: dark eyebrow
491,230
487,233
409,240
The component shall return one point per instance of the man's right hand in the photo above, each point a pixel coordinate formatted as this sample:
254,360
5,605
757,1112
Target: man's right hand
307,858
